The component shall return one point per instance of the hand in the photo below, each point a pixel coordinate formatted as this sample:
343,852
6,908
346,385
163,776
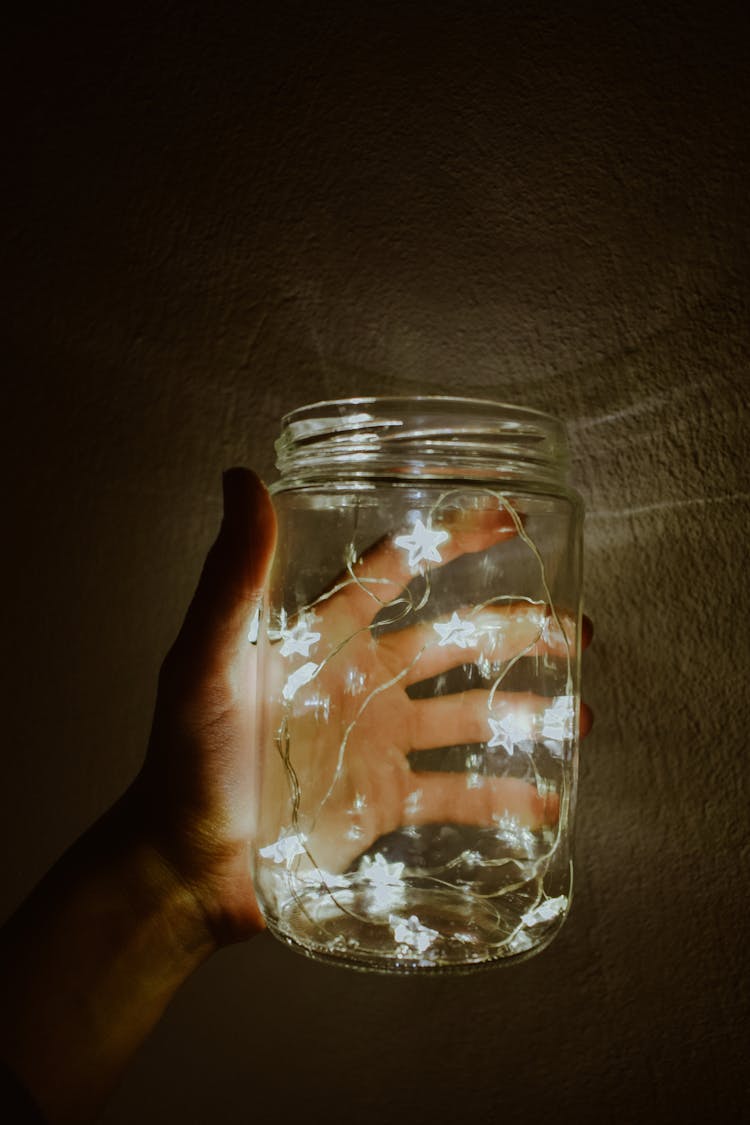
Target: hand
94,955
193,793
345,726
91,959
195,790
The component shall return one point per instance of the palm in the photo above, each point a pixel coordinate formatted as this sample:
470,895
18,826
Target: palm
353,789
342,777
195,790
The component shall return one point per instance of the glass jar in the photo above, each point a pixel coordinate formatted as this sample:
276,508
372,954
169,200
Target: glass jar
419,677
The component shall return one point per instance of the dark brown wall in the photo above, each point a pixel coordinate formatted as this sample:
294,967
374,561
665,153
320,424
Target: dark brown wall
219,213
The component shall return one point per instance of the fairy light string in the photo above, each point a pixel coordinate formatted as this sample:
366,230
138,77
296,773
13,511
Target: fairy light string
385,880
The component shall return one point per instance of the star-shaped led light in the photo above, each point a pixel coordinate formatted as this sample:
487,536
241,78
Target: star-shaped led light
515,835
412,933
520,942
378,870
507,732
384,882
545,911
288,846
457,631
558,719
301,676
300,639
422,545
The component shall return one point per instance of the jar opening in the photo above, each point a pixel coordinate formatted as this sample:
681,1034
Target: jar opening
432,436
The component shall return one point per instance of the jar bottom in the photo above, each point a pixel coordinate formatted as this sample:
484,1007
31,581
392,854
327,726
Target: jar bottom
432,932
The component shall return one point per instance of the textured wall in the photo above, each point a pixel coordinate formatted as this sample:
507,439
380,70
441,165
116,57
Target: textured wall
217,216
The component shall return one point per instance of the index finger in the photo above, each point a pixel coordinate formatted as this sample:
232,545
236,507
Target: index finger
497,633
384,572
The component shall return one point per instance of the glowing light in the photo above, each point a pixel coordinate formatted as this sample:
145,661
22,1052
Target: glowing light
422,545
520,942
301,676
412,933
384,882
300,639
507,732
456,632
288,846
558,720
545,911
413,803
378,871
514,834
472,858
377,887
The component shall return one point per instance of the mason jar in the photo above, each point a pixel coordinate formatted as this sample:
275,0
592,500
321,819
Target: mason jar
419,685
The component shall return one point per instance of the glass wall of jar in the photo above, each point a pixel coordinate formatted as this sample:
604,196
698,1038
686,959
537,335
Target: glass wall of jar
419,685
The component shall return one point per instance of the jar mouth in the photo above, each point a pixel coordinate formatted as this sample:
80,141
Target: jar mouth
421,437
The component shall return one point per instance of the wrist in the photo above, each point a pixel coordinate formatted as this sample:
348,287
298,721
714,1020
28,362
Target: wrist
91,960
165,906
198,858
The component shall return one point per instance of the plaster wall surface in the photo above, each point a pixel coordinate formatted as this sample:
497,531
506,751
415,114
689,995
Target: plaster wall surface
218,214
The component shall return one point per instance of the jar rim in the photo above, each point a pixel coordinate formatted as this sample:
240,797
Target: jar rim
362,400
420,436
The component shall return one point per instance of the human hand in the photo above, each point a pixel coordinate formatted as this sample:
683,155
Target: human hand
195,789
348,733
94,955
91,959
192,794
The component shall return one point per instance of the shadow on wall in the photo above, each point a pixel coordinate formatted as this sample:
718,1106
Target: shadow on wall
605,1023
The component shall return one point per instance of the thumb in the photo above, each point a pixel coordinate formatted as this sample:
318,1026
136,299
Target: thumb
231,584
